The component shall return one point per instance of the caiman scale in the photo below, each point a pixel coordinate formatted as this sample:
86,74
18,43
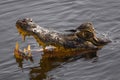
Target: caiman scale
82,38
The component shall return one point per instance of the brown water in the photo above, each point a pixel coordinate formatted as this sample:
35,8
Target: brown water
60,15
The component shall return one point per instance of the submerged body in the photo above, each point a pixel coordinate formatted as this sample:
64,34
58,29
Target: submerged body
83,37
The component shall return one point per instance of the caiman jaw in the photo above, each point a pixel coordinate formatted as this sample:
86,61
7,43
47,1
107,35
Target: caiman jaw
22,32
26,27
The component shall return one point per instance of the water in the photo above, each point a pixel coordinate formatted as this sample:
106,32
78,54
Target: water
60,15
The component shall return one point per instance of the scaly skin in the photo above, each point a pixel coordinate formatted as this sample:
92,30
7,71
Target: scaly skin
84,37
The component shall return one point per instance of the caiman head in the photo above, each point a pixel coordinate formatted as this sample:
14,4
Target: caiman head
87,32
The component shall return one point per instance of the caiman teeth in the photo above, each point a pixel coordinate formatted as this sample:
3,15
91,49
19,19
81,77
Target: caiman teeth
24,50
20,33
23,37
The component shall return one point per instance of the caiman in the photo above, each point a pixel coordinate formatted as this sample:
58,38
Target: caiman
82,38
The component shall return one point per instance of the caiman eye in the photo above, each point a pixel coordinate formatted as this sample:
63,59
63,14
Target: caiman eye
90,23
88,34
30,20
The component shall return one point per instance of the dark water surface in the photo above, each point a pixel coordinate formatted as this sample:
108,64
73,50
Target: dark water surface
60,15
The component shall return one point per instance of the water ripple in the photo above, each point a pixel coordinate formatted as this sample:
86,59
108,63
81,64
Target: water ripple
61,15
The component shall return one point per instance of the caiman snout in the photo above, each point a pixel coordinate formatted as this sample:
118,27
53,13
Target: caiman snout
25,26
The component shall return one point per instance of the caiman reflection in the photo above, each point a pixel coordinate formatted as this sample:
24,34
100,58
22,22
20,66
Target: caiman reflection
49,62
